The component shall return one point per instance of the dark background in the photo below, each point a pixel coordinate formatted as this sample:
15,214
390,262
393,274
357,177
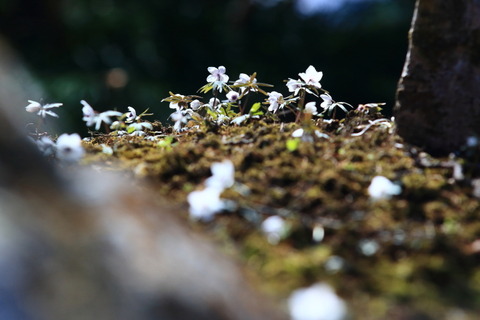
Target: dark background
116,54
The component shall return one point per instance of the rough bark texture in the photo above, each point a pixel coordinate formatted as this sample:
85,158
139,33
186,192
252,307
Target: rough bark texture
438,96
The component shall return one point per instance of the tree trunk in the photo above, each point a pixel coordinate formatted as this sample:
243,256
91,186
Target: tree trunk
438,96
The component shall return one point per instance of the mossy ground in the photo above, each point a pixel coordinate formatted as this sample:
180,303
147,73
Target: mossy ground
426,263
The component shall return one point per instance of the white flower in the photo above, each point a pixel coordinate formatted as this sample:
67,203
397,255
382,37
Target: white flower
318,302
328,105
327,101
222,119
34,106
217,77
42,111
321,134
195,104
46,146
214,103
176,103
88,113
274,228
106,149
368,247
204,204
217,74
92,117
233,96
223,175
244,78
294,86
275,99
180,117
311,108
240,119
69,147
382,188
139,127
298,133
105,117
131,115
311,77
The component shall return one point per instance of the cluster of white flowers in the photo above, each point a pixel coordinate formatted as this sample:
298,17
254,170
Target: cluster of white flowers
204,204
216,110
309,82
131,125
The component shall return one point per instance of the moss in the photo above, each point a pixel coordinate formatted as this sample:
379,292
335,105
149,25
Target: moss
424,263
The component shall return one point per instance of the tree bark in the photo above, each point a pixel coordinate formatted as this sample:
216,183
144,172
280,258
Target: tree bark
438,96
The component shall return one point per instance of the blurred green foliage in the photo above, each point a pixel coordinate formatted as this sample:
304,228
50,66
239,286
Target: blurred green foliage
120,53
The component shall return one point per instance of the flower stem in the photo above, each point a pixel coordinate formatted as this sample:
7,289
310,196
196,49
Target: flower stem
301,103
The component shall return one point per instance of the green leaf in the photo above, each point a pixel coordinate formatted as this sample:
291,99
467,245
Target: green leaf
131,129
255,107
292,144
165,143
206,88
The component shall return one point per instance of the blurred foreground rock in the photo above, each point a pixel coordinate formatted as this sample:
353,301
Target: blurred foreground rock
84,245
438,99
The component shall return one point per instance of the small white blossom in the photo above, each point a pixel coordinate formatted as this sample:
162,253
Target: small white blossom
311,108
217,77
222,119
382,188
46,146
176,103
106,149
223,175
69,148
88,113
298,133
214,103
233,96
274,228
116,125
131,115
92,117
180,118
33,106
204,204
318,302
44,110
275,99
195,104
327,101
105,117
334,264
328,105
294,86
368,247
311,77
139,127
240,119
321,134
245,79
